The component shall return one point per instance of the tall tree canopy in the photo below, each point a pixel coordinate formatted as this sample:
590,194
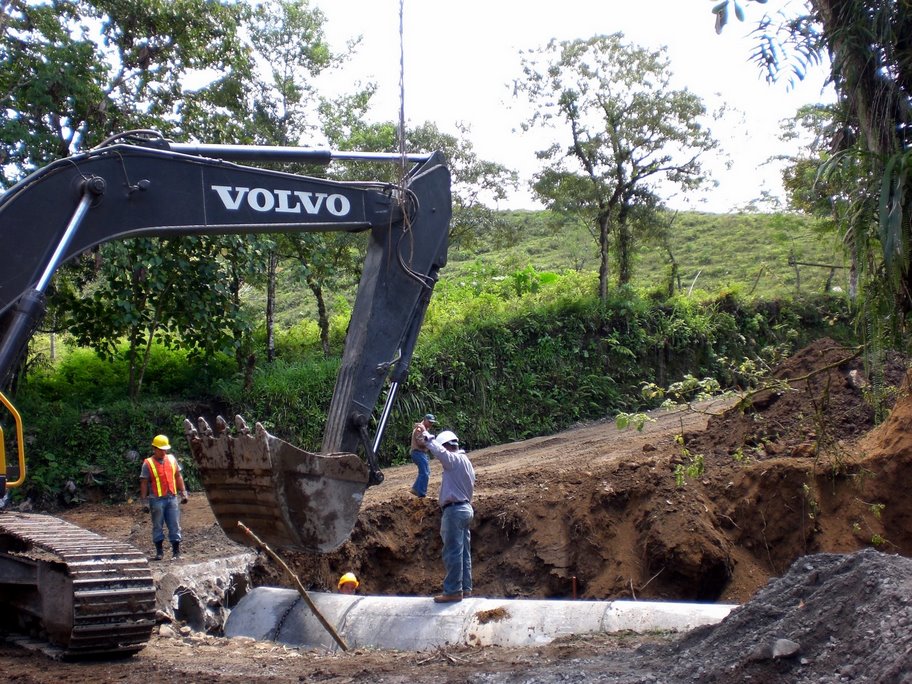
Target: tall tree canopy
865,168
73,72
624,131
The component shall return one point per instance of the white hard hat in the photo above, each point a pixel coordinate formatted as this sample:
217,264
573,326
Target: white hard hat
447,436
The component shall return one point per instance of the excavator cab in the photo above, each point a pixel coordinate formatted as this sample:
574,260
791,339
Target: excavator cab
140,184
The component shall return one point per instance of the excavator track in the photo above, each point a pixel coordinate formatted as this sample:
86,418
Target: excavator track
86,595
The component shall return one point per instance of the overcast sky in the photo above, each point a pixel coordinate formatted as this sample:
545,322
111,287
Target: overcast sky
461,57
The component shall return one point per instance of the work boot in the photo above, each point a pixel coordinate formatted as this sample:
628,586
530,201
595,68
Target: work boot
176,549
159,551
448,598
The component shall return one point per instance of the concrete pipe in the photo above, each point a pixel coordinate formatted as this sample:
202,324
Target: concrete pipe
419,624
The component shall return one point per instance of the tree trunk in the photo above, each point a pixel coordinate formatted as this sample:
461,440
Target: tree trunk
625,247
604,234
674,278
322,315
871,97
271,268
132,392
236,281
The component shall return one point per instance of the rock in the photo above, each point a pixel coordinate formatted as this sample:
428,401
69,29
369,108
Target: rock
760,653
857,380
785,648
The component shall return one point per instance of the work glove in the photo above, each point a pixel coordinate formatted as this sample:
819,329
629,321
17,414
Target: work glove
184,498
428,437
145,506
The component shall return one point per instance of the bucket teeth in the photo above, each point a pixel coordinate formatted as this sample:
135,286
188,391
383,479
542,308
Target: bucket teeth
241,425
204,428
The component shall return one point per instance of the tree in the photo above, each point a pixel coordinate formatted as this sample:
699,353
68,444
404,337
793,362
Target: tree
284,109
475,182
868,161
136,300
274,102
74,71
626,131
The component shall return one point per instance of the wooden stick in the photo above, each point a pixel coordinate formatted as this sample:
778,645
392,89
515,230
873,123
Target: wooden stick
272,554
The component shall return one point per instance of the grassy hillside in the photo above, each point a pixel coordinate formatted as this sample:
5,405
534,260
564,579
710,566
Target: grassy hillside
743,253
747,253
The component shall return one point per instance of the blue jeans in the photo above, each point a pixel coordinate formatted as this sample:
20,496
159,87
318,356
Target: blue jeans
165,509
422,460
457,548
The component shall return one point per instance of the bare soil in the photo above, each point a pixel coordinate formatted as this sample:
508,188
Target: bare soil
801,513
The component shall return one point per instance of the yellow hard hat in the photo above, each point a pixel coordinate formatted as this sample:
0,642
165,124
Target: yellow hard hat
161,442
349,577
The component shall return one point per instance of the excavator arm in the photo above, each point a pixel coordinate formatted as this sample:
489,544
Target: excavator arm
147,186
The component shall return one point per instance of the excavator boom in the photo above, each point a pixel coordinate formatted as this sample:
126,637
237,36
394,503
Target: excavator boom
144,185
131,190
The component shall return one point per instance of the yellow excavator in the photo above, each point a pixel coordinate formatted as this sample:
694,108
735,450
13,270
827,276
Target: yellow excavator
90,596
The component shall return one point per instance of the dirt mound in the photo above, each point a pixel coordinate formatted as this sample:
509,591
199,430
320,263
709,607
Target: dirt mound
830,618
817,407
843,615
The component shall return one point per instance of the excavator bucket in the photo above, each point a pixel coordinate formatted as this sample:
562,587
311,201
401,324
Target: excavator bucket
290,498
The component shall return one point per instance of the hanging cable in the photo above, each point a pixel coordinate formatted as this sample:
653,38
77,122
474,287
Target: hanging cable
405,204
401,97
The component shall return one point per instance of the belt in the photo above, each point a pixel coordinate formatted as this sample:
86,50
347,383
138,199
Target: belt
452,503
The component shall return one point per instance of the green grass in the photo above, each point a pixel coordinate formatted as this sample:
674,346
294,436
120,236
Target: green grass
743,253
748,253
